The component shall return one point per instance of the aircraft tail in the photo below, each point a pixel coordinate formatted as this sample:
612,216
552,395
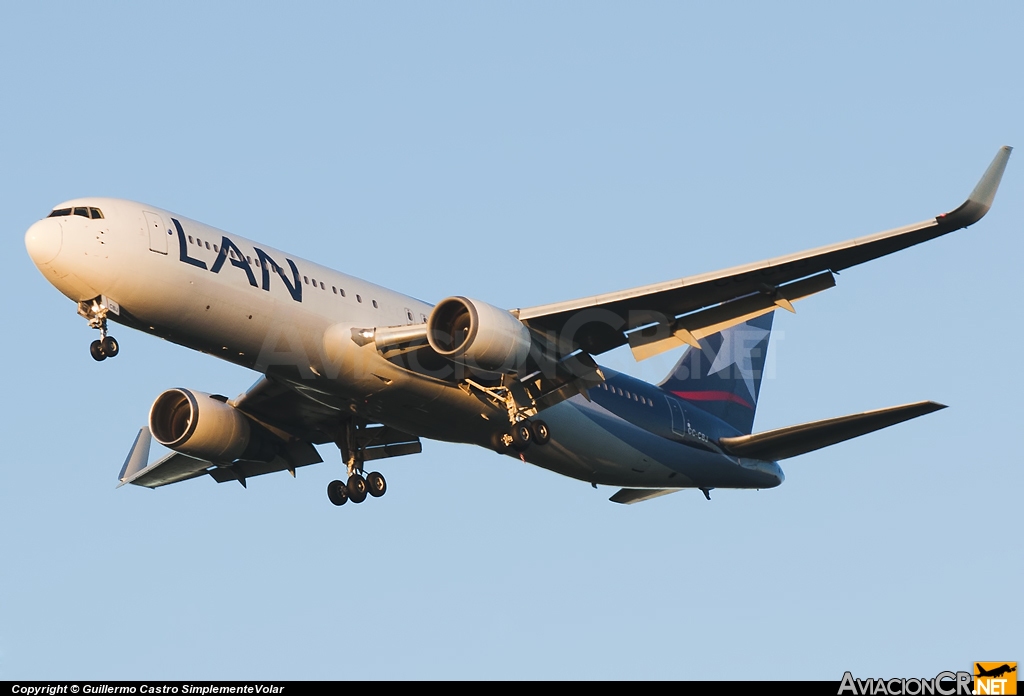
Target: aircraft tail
724,376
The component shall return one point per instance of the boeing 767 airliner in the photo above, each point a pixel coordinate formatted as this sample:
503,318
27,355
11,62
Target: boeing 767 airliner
348,362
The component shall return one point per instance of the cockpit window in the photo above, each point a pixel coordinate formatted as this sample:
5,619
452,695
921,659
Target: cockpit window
94,213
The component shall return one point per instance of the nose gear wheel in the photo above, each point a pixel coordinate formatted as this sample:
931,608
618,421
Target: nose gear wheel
95,312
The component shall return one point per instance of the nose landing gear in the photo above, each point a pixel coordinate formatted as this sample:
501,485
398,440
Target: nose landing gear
95,312
105,348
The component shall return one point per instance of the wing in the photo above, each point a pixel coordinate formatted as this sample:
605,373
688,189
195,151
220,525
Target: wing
177,467
298,415
684,310
294,407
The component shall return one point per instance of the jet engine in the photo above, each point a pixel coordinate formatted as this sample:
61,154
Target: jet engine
478,335
205,427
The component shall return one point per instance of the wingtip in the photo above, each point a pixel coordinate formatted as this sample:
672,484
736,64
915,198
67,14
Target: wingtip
981,198
985,191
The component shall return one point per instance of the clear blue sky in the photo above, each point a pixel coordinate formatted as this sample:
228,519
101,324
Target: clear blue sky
524,153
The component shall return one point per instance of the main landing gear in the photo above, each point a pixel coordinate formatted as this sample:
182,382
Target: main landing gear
357,487
522,434
96,313
522,430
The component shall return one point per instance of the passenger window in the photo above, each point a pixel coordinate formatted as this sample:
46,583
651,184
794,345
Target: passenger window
358,298
96,213
84,212
341,291
409,314
248,260
190,240
207,245
375,304
215,248
334,289
322,286
305,279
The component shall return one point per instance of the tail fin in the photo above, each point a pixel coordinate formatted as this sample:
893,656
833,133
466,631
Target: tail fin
724,376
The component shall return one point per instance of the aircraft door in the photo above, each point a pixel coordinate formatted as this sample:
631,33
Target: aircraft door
157,232
678,417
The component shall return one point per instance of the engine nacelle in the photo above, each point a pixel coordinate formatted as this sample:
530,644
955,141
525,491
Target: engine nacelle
478,335
205,427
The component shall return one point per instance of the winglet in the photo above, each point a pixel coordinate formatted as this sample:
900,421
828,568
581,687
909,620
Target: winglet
980,200
138,457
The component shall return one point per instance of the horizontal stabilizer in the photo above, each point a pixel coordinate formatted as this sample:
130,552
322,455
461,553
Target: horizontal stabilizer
628,496
783,443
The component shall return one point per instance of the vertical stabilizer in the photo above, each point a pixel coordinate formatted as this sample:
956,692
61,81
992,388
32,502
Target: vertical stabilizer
724,376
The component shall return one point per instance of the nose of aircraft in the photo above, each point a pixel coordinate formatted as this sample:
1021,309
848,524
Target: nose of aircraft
43,241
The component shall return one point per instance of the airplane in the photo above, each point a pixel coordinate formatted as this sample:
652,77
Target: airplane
995,671
373,371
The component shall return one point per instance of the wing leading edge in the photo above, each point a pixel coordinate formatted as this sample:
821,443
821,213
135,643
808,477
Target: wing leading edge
599,323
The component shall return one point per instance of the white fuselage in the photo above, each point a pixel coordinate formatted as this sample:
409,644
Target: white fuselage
267,310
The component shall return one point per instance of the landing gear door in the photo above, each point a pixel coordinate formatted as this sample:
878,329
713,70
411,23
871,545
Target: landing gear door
157,232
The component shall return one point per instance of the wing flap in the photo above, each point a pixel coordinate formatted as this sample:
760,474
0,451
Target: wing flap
294,455
794,440
690,328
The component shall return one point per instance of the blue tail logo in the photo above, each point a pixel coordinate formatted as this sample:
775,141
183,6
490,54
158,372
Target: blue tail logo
724,376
